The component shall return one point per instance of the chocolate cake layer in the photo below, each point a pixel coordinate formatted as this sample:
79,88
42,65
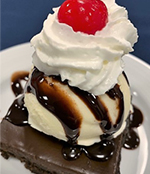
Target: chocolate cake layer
42,154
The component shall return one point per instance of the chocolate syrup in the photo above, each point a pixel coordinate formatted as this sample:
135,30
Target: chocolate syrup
135,119
100,151
17,113
53,99
100,110
132,139
115,93
16,79
70,152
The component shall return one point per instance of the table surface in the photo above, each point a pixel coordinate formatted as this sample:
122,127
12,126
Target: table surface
21,20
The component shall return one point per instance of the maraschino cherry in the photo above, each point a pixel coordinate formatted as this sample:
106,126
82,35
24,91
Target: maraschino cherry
87,16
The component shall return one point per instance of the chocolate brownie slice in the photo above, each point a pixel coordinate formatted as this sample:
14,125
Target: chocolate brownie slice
42,153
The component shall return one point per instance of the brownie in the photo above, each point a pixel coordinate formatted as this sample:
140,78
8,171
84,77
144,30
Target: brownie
42,153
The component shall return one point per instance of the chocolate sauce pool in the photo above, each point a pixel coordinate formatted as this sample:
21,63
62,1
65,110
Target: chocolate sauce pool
61,108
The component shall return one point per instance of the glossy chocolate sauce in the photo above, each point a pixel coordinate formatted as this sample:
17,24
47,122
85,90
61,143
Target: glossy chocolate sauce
17,113
57,102
132,139
100,110
16,79
51,97
115,93
101,151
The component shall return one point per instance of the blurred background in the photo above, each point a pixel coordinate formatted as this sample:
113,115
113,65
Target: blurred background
22,19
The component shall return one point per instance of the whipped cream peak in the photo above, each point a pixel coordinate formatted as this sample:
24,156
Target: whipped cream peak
89,62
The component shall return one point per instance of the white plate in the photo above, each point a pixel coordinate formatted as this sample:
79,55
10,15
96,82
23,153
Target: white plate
133,161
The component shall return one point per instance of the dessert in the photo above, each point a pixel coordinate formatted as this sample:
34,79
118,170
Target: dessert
75,111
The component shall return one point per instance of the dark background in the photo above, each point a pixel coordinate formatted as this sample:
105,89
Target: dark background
22,19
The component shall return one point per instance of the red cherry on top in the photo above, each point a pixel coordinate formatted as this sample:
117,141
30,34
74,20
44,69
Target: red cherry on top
87,16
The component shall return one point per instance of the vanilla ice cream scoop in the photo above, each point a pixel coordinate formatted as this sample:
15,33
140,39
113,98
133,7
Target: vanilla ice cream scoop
71,114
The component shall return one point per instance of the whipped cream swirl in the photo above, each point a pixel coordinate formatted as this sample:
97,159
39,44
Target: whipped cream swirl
90,62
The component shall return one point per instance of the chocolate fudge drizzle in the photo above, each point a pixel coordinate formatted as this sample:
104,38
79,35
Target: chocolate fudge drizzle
60,107
16,79
17,113
132,139
54,100
100,110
